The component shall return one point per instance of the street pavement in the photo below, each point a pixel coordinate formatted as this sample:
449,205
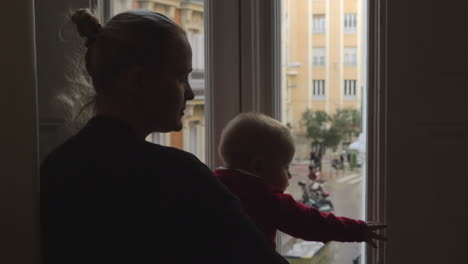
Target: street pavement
345,187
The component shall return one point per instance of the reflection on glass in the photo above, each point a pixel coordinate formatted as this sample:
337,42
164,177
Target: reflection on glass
189,15
323,71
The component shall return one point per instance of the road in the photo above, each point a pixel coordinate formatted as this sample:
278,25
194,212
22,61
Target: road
345,187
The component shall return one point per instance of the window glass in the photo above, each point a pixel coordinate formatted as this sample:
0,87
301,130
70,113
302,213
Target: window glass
349,88
324,110
319,24
318,88
350,23
350,56
318,57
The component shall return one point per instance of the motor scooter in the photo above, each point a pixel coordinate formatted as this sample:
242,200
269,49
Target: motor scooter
315,196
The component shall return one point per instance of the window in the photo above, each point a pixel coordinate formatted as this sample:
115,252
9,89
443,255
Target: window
350,88
350,23
318,88
319,24
350,57
196,40
318,57
295,100
325,116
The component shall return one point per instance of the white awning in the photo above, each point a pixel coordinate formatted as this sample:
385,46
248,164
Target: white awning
359,144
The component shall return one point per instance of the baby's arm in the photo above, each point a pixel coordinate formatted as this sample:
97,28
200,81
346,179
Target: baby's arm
309,223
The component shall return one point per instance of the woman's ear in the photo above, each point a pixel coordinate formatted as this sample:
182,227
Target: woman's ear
135,77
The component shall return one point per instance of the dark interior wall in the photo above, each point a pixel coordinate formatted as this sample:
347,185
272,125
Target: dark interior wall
56,41
18,149
427,131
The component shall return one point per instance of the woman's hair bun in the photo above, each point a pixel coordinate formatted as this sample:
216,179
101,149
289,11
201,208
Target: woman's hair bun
87,24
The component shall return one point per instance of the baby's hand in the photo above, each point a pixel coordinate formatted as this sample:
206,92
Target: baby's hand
371,234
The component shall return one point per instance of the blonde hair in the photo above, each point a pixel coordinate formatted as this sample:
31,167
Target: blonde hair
254,134
133,38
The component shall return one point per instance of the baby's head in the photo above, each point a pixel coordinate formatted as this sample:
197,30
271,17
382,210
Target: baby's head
258,144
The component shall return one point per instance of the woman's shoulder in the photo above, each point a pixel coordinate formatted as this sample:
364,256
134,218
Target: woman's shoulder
170,155
169,152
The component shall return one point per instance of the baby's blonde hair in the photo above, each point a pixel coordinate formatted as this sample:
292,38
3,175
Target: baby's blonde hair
254,134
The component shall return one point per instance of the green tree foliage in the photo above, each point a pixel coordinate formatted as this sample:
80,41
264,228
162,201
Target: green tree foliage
329,131
348,123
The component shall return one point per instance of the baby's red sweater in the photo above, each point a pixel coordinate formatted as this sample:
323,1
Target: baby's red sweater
271,209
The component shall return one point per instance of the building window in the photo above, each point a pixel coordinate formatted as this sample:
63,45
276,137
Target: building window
350,88
319,24
350,23
318,57
318,88
196,40
194,138
350,57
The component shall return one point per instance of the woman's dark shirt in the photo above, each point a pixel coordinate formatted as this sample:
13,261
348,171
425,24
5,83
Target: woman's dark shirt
108,196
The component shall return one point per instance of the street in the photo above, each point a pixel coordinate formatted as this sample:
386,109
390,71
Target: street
345,187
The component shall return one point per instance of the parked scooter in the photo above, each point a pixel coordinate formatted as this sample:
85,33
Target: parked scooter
315,196
337,164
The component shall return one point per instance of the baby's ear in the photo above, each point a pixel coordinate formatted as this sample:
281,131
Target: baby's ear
256,164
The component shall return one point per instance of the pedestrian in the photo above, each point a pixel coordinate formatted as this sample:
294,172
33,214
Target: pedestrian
107,195
257,151
315,161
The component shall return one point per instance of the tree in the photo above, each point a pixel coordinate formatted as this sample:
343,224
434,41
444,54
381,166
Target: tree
329,132
348,123
317,123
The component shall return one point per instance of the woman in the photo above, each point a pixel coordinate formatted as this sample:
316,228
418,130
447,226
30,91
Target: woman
107,195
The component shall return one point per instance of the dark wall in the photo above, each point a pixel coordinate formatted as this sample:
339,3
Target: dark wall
427,131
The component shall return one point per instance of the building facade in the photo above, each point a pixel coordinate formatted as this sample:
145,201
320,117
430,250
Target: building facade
322,60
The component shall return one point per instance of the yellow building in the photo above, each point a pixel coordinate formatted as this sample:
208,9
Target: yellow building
322,60
188,14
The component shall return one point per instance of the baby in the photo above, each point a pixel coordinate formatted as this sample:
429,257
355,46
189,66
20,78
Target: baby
256,151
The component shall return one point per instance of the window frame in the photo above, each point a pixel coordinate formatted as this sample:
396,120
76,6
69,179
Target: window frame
375,206
255,70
